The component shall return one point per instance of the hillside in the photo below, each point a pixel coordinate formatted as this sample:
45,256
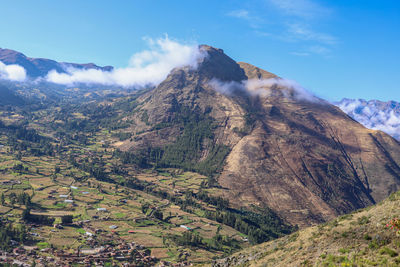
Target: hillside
357,239
8,97
265,141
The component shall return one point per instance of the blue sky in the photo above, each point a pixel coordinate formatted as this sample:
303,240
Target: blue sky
341,48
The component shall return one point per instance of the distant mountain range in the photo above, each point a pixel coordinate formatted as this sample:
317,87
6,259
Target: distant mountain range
374,114
39,67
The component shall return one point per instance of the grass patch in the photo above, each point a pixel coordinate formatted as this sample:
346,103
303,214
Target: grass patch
120,215
81,231
388,251
363,220
42,245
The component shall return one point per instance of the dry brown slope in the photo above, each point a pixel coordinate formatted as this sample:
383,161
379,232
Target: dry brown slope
357,239
309,161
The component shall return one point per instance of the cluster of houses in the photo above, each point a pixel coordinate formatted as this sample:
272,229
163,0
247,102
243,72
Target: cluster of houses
10,182
25,256
125,252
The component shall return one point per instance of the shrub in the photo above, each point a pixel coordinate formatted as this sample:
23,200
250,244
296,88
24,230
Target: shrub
363,220
388,251
367,237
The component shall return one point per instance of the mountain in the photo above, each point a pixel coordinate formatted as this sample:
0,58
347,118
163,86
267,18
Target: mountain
264,142
374,114
358,239
219,156
39,67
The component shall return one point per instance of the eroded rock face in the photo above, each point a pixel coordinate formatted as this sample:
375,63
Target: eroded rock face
302,157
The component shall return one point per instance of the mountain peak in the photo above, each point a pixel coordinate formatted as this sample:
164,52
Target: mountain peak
220,66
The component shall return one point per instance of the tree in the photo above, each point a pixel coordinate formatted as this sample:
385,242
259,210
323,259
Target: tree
26,214
2,199
12,197
145,207
158,215
57,169
28,201
66,219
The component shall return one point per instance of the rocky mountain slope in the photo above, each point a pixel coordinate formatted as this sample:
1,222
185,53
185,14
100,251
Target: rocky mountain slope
266,141
358,239
374,114
39,67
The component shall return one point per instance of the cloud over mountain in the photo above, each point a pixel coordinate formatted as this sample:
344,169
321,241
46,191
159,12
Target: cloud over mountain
12,72
374,114
265,88
148,67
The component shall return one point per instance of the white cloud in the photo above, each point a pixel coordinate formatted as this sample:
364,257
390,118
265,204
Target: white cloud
300,8
374,115
265,88
12,72
149,67
240,13
253,21
300,54
302,32
291,21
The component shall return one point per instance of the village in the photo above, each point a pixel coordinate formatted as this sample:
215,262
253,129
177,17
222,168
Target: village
126,254
147,217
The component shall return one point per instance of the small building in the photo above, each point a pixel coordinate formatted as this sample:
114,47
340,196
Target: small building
19,251
58,226
74,187
101,209
85,193
186,227
113,227
63,196
68,201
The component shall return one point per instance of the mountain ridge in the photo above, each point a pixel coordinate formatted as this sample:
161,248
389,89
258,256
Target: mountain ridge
39,67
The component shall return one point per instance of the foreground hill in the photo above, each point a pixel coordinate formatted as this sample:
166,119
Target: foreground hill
374,114
265,141
39,67
357,239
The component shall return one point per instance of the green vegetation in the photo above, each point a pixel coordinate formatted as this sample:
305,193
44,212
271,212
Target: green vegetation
8,232
185,153
59,166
